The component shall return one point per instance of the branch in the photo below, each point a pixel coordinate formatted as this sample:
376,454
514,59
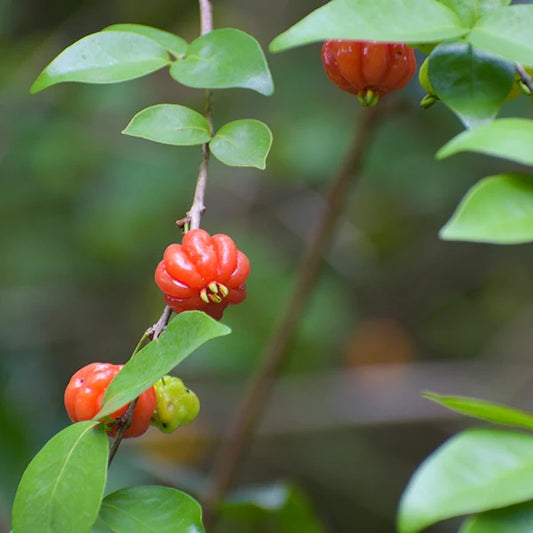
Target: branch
198,206
246,418
124,422
525,78
155,331
206,16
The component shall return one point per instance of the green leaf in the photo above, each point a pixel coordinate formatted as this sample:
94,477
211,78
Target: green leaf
151,508
514,519
509,138
242,143
104,57
470,11
222,59
492,412
477,470
506,33
100,527
471,82
416,21
184,334
280,507
497,209
170,42
62,487
170,124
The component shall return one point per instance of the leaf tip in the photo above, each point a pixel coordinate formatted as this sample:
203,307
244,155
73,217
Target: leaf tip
443,152
39,84
428,395
277,44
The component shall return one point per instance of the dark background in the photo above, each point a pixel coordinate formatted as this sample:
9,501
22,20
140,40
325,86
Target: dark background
86,213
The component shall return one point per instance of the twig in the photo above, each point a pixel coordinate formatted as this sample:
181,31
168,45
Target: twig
193,219
206,16
198,206
124,421
525,78
246,418
155,331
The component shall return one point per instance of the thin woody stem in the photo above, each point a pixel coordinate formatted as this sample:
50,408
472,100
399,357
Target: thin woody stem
124,422
248,413
197,209
192,221
155,331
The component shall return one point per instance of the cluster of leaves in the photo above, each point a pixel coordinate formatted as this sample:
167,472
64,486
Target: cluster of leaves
473,46
221,59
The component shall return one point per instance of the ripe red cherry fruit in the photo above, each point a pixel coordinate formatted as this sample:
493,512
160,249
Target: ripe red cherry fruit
85,392
368,69
204,273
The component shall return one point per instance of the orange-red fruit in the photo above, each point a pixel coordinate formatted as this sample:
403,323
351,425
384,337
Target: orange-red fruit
85,392
368,69
204,273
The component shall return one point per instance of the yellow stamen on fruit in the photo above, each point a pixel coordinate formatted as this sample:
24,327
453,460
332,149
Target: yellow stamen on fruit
203,296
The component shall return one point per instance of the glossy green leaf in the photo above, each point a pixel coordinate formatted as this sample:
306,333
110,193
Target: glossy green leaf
104,57
62,487
497,209
184,334
416,21
242,143
509,138
280,507
492,412
151,508
222,59
514,519
471,82
475,471
170,124
170,42
470,11
506,33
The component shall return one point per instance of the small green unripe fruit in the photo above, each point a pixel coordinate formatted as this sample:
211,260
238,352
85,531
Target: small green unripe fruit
176,404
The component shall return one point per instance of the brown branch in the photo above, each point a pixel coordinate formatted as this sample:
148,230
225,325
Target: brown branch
155,331
246,418
193,219
124,421
206,16
198,206
525,78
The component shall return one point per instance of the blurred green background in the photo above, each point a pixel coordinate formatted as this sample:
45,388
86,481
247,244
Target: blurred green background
87,212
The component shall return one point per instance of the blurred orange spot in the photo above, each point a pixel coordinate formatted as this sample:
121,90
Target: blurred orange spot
379,341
